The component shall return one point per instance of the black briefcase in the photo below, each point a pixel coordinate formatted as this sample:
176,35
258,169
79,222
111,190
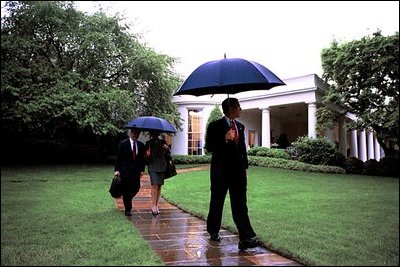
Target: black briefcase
116,187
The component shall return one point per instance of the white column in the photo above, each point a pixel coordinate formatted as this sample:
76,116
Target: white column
363,146
354,144
312,120
266,128
370,143
179,144
342,137
377,149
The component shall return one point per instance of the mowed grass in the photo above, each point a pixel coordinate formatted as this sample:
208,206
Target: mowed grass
316,219
64,215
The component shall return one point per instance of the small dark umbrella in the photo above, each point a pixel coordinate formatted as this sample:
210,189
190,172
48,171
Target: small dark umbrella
228,76
151,123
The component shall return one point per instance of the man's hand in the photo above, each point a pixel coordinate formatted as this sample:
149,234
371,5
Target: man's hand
230,135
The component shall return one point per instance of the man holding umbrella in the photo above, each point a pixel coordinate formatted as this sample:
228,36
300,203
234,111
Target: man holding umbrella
229,163
225,137
134,168
130,165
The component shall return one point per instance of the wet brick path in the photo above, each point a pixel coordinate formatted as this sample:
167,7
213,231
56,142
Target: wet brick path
181,239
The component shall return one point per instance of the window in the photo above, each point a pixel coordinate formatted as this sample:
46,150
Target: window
195,136
252,139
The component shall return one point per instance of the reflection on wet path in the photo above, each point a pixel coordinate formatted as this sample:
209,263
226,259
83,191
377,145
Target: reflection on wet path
181,239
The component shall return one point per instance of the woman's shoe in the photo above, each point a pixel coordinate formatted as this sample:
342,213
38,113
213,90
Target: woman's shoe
154,212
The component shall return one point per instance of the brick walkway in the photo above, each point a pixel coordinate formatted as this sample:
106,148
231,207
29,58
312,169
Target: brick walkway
181,239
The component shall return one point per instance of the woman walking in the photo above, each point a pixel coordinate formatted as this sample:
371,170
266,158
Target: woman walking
156,152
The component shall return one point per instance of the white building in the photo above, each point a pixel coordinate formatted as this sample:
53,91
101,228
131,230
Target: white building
266,114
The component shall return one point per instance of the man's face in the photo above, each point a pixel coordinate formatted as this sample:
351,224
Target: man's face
135,134
235,110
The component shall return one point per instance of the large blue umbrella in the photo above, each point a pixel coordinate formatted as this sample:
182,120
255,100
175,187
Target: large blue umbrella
151,123
228,76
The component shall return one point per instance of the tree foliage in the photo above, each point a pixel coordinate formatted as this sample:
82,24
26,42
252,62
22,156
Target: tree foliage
64,69
215,114
364,81
66,74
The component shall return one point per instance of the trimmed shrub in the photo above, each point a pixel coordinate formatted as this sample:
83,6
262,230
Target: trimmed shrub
268,152
388,166
291,150
337,160
353,165
264,162
370,167
293,165
191,159
317,151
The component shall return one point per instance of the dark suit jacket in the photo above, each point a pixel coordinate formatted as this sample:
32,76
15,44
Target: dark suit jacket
227,157
127,167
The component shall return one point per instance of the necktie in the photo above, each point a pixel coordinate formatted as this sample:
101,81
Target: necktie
134,150
233,125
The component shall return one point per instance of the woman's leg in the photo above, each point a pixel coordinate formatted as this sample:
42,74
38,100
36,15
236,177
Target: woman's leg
158,197
154,196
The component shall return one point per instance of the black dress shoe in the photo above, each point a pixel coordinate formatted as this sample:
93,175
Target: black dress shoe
249,243
215,237
128,213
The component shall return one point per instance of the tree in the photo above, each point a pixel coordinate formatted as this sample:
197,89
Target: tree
215,114
364,81
66,75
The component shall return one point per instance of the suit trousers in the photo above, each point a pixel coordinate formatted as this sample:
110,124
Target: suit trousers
131,188
236,183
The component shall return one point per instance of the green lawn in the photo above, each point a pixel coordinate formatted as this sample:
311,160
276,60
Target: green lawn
317,219
64,215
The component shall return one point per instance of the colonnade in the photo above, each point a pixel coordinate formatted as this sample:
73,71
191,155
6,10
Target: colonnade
362,144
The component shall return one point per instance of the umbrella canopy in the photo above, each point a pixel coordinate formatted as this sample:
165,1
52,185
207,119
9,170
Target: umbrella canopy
228,76
151,123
